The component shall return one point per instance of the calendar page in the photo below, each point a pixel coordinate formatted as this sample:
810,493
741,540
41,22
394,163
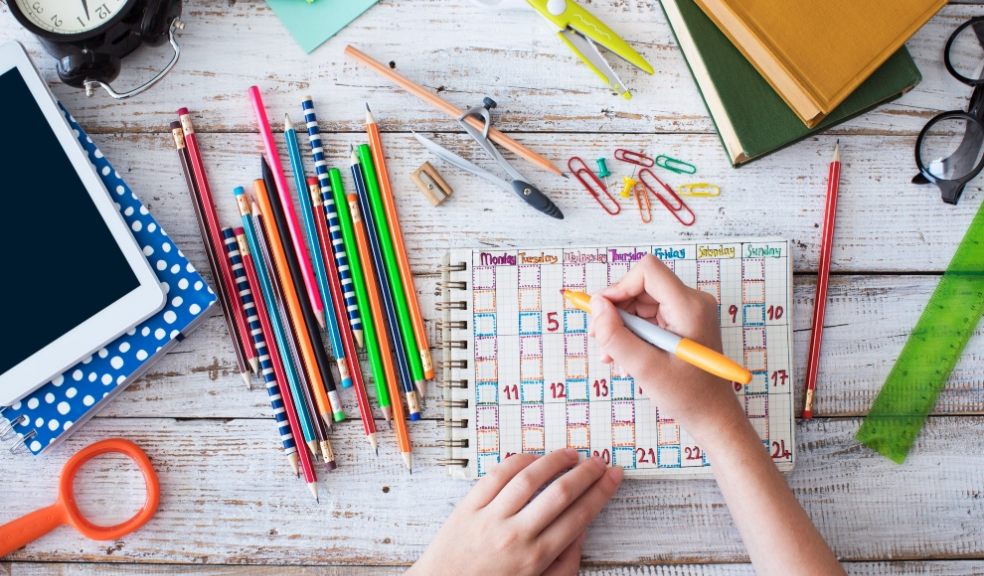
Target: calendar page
536,382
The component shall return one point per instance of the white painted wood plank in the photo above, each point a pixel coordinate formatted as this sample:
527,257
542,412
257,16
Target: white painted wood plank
199,379
228,498
884,224
513,56
923,568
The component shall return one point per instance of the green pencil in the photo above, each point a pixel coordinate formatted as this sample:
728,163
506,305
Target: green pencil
392,268
361,297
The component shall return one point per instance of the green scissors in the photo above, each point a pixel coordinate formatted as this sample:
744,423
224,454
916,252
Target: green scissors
582,31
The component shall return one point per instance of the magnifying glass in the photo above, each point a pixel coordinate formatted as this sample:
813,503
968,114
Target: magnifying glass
65,510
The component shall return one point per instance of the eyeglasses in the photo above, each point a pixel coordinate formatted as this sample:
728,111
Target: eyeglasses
950,148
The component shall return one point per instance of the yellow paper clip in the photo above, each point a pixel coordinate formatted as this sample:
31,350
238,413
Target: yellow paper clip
699,190
628,183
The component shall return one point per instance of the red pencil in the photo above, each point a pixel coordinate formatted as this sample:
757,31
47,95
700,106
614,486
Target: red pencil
237,344
338,301
278,368
224,279
823,274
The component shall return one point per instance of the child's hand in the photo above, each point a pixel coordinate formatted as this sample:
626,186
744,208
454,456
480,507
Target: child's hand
505,525
650,290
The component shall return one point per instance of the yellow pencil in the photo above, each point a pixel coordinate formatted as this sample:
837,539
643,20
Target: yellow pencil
683,348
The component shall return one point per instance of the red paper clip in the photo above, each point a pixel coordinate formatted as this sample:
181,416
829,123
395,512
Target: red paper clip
637,158
593,185
678,209
644,203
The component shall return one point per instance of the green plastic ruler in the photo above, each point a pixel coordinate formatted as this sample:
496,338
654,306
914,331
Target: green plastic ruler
931,352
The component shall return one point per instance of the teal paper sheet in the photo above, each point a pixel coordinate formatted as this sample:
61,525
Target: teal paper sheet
312,24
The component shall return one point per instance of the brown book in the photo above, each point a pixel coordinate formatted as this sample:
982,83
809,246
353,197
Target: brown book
816,53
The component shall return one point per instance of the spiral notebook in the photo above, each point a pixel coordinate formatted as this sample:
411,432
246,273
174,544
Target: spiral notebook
45,417
521,374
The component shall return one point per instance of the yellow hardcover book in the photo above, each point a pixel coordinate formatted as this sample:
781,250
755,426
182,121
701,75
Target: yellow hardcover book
816,53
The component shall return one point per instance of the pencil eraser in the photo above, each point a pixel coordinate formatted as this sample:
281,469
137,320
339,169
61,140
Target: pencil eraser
182,111
414,416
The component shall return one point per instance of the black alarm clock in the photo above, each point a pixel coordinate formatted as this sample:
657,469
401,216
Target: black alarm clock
89,38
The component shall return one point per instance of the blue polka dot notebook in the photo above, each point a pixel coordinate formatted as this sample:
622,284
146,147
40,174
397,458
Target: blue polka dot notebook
39,421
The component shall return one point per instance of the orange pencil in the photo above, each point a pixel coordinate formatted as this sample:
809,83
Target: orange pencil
450,109
306,347
396,234
379,319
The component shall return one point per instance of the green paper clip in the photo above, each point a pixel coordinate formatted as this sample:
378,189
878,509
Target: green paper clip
699,190
674,165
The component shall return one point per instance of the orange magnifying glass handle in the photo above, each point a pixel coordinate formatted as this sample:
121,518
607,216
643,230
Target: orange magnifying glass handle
28,528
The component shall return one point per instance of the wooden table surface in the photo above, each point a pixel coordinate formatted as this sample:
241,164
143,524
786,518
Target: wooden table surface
228,499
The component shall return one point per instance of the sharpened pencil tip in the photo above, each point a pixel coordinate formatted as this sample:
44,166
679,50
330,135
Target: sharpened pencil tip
287,124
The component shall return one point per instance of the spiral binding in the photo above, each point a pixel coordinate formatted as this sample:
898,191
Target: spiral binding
449,384
10,438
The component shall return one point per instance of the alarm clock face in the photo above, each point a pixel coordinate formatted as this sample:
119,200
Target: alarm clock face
70,16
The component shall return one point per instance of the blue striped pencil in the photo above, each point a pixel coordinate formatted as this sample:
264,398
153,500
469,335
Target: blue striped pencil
311,235
331,213
393,326
245,293
262,273
279,390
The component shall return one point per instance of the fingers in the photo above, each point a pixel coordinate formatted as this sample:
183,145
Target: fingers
557,497
638,358
576,518
518,491
486,489
649,276
569,560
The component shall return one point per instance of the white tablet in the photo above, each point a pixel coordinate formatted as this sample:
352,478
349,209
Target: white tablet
72,277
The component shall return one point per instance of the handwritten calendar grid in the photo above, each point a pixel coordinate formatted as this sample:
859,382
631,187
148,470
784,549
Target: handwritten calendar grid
540,384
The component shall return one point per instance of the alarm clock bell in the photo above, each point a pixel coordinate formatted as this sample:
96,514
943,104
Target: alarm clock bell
89,38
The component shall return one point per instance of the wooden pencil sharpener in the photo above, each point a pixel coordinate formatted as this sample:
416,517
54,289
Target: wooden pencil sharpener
430,182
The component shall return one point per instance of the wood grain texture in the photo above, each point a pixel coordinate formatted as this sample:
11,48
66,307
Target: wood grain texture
200,380
228,498
539,84
884,224
924,568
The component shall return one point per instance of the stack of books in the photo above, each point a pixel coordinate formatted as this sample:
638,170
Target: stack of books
772,73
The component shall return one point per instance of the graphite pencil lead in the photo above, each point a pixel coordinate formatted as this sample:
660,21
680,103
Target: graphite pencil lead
287,123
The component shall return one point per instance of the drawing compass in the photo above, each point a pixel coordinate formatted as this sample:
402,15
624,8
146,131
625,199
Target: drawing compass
515,182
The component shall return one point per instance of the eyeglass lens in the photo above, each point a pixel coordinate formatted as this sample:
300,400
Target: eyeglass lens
966,53
952,147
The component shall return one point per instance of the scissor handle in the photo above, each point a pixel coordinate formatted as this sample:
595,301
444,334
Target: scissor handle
66,490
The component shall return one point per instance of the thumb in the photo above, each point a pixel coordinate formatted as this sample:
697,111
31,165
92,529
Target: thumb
640,359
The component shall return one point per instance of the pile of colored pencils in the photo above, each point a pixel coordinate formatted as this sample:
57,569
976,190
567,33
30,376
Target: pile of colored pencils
334,280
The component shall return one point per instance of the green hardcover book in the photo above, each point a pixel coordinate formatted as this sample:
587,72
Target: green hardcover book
751,119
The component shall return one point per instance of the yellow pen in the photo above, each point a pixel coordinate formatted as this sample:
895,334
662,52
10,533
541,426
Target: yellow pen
683,348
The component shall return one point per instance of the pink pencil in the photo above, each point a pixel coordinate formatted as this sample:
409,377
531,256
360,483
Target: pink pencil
273,158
